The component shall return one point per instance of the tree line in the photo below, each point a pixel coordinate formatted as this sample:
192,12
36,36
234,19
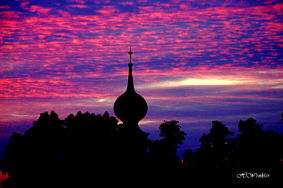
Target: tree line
92,143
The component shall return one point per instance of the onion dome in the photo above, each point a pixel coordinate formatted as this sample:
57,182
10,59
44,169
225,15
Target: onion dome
130,107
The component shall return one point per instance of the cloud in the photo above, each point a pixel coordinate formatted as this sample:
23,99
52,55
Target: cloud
39,9
190,58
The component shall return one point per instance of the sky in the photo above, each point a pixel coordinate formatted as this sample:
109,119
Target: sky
195,61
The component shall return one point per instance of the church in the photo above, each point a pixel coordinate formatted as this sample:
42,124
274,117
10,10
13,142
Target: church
130,107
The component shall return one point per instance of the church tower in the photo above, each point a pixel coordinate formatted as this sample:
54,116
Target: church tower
130,107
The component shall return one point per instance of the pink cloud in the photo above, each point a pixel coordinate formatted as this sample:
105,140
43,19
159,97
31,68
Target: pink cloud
84,57
126,3
78,6
4,6
108,10
39,9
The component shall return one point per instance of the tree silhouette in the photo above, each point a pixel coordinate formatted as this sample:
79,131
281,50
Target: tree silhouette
215,149
256,147
87,143
38,151
222,157
173,136
164,151
89,136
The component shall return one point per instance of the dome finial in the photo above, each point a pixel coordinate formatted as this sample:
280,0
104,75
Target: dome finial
130,53
130,87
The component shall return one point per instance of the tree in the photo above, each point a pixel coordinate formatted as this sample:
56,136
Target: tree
52,147
172,135
257,148
188,159
217,138
164,151
215,148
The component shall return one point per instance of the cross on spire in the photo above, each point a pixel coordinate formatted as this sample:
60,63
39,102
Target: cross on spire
130,53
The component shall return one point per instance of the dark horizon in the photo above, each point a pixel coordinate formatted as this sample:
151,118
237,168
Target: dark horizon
195,61
96,144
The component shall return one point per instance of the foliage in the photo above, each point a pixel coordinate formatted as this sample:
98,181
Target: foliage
88,143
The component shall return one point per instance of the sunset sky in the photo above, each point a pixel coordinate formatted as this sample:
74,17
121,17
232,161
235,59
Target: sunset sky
195,61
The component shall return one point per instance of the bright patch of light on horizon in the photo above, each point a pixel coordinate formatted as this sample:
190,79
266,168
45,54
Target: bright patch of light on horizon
149,122
189,82
106,100
101,100
192,82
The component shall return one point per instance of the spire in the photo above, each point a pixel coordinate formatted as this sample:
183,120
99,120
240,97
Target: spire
130,87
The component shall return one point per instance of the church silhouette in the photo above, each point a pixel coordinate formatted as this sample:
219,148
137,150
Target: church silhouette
130,107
